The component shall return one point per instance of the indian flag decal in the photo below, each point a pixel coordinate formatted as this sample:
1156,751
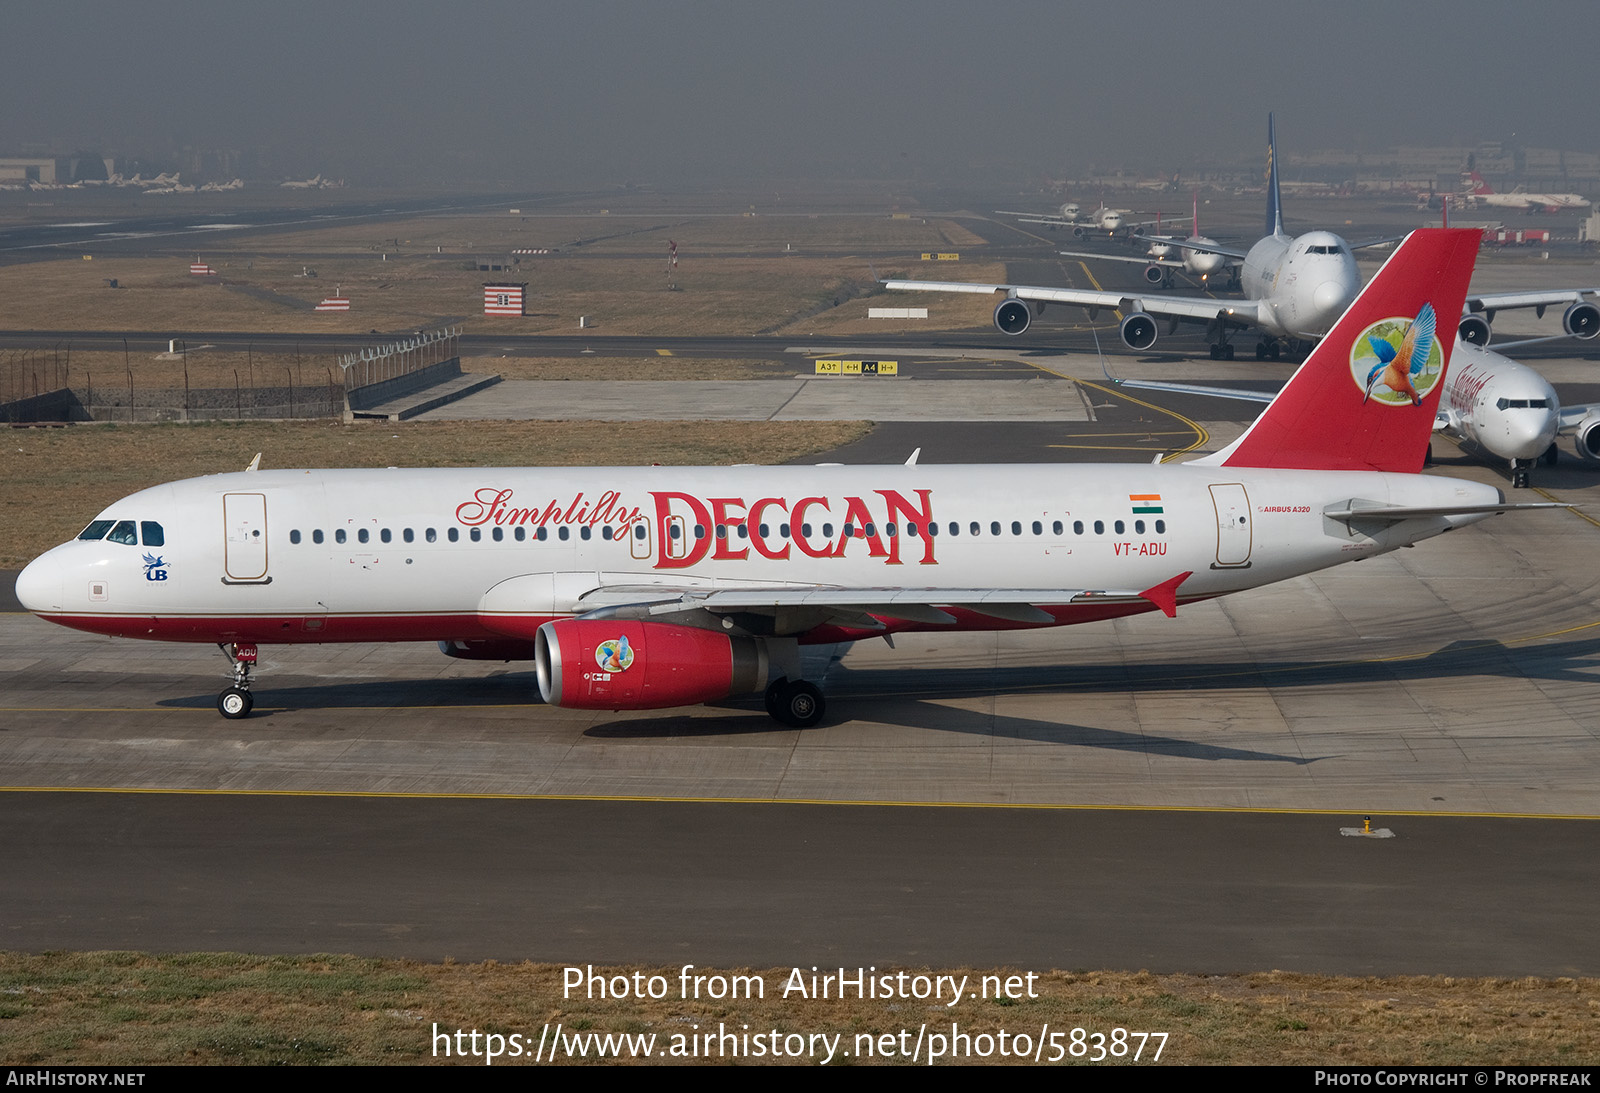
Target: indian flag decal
1146,503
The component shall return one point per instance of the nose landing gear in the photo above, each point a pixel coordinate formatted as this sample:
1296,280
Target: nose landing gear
236,701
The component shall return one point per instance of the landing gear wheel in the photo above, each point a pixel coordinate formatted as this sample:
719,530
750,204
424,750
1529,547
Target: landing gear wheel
796,703
1216,352
234,703
1551,456
1227,352
1261,351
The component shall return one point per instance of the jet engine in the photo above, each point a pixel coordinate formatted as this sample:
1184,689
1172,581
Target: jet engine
1586,437
1013,316
613,664
1155,274
1474,330
1138,331
1581,320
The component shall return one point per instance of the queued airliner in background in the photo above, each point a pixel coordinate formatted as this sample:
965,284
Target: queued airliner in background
1294,287
651,587
1200,260
1497,405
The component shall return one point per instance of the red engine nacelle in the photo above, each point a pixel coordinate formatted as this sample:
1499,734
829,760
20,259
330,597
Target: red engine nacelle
611,664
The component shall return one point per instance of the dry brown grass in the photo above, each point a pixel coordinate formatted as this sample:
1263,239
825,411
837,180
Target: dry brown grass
52,481
737,275
126,1009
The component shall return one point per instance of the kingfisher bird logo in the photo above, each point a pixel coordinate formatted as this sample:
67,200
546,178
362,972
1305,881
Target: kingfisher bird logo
155,568
615,655
1398,361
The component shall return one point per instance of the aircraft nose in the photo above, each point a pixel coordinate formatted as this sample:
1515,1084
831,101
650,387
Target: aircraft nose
39,585
1330,299
1529,433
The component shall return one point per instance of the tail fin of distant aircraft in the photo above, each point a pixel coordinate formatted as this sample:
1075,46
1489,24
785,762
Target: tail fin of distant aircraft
1366,398
1274,202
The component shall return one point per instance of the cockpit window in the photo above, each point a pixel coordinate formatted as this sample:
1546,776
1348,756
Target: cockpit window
1523,404
124,533
96,530
151,533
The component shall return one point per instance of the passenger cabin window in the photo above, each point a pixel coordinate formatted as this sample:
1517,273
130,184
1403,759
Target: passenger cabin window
294,537
316,536
338,536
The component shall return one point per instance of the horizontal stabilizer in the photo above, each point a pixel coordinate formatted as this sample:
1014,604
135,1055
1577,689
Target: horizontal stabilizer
1394,513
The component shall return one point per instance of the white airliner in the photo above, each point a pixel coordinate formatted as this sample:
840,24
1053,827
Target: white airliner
1097,222
1475,191
651,587
1200,258
1294,287
1492,402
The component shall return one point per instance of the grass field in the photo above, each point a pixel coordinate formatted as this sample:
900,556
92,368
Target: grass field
127,1009
736,275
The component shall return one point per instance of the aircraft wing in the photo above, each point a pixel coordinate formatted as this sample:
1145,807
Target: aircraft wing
1189,244
1573,416
1041,218
1385,241
797,610
1542,299
1198,308
1145,261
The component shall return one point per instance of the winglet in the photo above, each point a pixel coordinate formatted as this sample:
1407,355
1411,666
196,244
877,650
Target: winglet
1165,594
255,464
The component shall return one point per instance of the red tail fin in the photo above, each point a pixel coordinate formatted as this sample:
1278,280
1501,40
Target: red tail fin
1366,397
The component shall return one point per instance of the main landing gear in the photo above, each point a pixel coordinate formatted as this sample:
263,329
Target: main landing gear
1268,349
236,702
1222,352
795,703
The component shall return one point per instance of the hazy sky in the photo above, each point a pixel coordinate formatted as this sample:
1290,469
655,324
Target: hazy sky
537,94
